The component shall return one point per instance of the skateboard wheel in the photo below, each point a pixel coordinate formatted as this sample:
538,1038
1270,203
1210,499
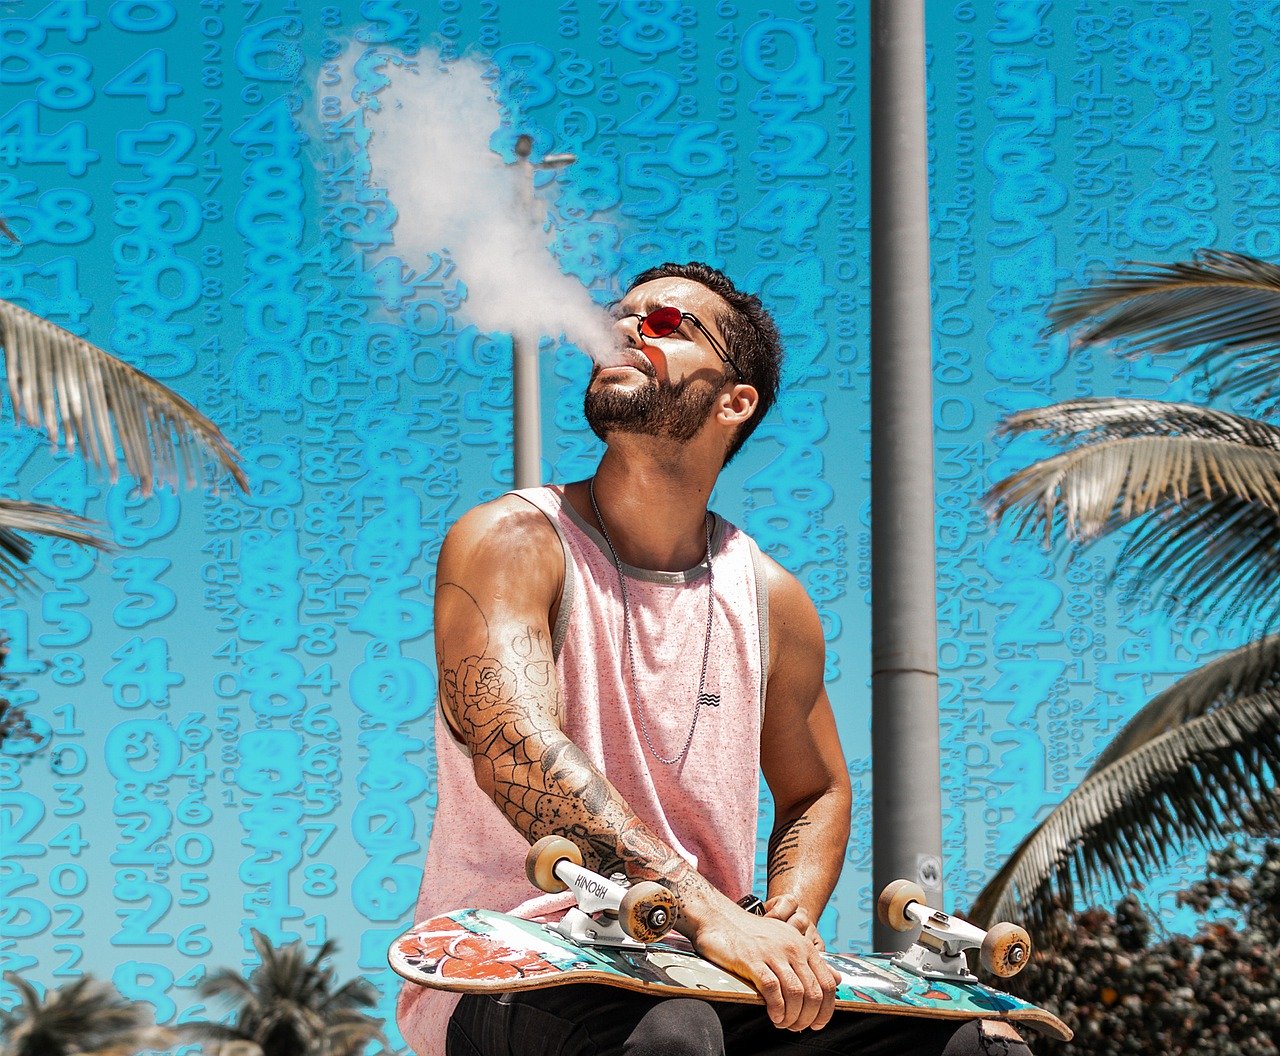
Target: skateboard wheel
1005,951
648,911
892,905
540,862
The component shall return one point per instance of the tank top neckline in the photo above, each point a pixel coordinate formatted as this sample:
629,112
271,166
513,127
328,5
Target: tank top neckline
645,575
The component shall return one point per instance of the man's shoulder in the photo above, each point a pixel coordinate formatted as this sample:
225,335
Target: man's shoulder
506,513
505,530
793,617
779,579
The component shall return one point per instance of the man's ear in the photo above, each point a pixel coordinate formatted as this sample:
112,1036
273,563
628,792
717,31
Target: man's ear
737,404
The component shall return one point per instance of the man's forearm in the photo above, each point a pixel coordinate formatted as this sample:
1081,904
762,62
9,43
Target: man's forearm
546,785
806,852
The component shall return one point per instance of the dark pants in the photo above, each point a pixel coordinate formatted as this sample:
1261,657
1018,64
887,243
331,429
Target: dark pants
606,1021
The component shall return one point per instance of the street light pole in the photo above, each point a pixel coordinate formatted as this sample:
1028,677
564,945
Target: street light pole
906,826
526,394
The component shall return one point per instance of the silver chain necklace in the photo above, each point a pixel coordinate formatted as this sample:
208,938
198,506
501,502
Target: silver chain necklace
704,699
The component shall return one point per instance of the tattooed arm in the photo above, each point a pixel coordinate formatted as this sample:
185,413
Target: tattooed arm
802,762
499,581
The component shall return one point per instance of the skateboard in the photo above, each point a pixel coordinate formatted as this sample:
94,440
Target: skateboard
619,934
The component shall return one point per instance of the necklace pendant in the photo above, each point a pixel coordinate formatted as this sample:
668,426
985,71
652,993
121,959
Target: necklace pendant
706,698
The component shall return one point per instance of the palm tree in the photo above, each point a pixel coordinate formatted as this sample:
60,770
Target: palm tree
85,1018
288,1006
91,402
1203,487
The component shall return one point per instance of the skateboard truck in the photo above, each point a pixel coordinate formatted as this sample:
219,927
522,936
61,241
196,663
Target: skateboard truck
608,913
938,952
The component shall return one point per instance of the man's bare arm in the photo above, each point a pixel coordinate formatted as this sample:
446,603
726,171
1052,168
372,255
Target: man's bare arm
499,575
803,763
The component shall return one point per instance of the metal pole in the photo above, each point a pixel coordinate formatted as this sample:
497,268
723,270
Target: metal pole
525,362
526,395
907,797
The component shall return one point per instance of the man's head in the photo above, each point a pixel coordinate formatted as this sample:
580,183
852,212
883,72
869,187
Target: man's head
726,346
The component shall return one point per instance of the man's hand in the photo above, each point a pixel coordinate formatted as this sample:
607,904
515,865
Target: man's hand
798,986
788,908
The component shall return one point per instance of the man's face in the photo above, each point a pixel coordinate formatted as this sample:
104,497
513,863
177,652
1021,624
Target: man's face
666,387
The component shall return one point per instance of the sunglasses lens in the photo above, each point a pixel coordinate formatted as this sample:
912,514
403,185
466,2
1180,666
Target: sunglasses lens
661,322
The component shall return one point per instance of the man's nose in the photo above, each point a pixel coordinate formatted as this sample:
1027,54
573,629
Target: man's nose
630,330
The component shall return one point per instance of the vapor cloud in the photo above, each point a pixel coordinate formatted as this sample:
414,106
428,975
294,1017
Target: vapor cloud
429,147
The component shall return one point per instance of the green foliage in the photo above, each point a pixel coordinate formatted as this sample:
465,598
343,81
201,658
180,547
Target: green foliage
1215,993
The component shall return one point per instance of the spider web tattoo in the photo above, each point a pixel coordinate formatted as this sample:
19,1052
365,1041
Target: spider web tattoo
541,781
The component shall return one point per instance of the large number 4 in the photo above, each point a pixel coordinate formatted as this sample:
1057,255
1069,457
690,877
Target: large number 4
146,77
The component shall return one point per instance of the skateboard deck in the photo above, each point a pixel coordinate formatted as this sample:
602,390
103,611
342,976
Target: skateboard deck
478,950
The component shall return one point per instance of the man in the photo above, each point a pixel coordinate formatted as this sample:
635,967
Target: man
617,665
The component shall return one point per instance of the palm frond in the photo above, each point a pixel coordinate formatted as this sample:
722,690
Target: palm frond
1217,556
1113,418
38,519
354,994
350,1039
1124,466
200,1030
89,401
1228,301
1195,781
1243,672
1211,535
226,983
15,725
1217,297
28,1001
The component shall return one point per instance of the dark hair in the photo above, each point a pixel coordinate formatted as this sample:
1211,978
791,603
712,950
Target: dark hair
749,332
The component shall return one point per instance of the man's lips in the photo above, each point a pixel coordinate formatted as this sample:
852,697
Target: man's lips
632,361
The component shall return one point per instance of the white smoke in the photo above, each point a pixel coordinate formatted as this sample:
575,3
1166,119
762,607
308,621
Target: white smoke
429,147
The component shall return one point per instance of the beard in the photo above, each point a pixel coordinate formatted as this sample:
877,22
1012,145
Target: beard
657,409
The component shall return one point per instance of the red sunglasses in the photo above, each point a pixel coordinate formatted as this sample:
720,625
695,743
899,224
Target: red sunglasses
665,321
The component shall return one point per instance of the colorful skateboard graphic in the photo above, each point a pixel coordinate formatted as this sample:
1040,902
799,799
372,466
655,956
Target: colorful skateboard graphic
618,934
477,950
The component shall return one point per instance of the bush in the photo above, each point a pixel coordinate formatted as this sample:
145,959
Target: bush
1216,993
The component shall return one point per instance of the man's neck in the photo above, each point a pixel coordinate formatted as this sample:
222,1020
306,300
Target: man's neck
653,505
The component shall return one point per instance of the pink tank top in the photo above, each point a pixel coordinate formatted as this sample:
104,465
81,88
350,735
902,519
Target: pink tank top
705,806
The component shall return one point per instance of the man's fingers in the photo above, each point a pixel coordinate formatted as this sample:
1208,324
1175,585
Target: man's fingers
816,982
770,988
802,922
814,999
792,992
828,980
810,932
788,908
